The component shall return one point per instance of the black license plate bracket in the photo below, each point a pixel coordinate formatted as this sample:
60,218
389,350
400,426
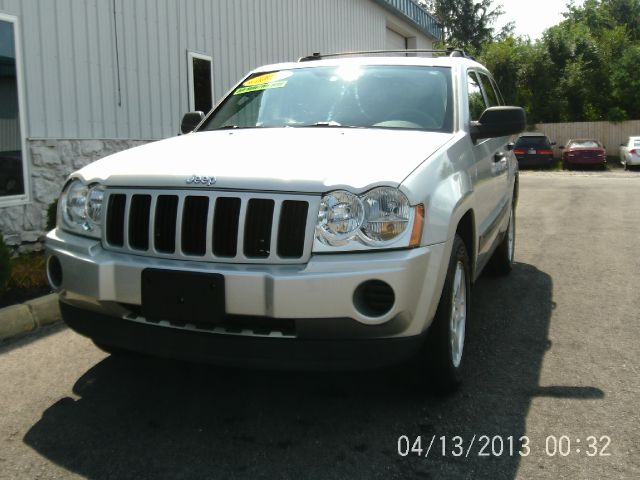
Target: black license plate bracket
184,297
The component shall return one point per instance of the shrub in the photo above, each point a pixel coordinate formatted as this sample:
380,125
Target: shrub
52,212
28,271
5,265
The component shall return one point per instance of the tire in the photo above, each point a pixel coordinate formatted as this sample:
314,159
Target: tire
441,359
501,262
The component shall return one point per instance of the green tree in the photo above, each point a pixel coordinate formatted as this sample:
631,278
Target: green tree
467,24
584,68
625,85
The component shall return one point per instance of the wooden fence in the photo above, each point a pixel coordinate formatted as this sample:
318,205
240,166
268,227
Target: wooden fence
610,134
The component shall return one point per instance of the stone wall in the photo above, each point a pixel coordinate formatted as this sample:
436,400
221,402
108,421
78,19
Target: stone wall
24,226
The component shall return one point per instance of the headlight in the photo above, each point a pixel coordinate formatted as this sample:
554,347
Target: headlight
340,216
95,199
76,202
381,217
81,208
387,214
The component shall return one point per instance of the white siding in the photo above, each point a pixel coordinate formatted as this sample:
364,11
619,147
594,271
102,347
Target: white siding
395,41
74,90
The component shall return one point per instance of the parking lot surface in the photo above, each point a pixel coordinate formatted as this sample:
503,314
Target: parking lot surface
553,355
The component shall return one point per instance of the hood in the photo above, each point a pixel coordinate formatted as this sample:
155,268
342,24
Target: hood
310,160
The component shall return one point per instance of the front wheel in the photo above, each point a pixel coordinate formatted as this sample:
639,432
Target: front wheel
501,262
442,356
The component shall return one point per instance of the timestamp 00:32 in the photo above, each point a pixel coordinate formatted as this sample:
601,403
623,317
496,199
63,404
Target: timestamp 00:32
499,445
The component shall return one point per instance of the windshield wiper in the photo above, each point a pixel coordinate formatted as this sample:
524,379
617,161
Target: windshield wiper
325,124
227,127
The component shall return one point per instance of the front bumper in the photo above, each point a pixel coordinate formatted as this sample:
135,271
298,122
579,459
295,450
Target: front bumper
100,281
534,161
586,160
240,351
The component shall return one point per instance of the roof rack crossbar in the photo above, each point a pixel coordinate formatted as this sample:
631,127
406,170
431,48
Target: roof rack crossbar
450,52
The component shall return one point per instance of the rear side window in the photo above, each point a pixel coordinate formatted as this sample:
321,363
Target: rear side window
477,104
492,96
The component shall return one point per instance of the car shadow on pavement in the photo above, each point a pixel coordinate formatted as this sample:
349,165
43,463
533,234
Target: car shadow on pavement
152,418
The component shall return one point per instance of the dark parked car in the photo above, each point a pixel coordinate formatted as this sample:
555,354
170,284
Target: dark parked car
534,150
584,151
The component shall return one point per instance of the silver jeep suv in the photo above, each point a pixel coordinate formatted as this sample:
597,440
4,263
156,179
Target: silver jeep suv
329,213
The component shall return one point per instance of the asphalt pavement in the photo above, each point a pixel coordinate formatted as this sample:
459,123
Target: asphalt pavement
553,355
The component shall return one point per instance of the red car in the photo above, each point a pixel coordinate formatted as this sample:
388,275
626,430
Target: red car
584,151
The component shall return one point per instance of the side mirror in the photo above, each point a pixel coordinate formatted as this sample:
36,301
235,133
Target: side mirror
553,143
499,122
190,121
561,147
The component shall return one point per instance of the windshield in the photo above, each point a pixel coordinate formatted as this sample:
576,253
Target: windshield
533,142
584,144
402,97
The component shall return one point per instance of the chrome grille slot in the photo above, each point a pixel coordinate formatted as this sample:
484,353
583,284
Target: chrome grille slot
164,237
229,227
293,218
139,222
194,225
225,227
257,228
115,219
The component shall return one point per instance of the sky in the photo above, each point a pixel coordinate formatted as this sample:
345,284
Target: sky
532,17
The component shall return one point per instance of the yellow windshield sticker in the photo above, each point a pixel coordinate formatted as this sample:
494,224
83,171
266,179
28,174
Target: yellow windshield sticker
267,78
263,86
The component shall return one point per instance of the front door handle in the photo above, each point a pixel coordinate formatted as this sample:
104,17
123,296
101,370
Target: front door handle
499,156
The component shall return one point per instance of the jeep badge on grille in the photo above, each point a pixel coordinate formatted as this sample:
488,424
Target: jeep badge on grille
201,179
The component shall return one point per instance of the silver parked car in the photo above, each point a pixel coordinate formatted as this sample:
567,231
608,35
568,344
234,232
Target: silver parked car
630,152
329,213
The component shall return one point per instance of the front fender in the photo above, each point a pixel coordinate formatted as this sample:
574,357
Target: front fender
444,184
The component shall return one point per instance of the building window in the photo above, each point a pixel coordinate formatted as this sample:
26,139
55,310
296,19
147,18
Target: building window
200,82
12,169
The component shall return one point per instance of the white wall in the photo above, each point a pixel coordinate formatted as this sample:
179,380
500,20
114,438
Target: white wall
70,54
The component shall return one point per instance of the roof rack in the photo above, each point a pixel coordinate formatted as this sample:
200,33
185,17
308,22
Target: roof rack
449,52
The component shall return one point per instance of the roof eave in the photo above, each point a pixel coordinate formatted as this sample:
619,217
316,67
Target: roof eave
410,11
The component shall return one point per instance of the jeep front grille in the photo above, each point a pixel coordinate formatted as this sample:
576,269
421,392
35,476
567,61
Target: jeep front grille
233,227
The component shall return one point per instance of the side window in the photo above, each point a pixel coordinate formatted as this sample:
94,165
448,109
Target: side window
12,162
498,92
477,104
492,96
200,82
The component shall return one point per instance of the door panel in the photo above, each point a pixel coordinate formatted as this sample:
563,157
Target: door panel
491,158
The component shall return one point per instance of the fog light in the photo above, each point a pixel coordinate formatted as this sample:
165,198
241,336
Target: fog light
54,272
374,298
